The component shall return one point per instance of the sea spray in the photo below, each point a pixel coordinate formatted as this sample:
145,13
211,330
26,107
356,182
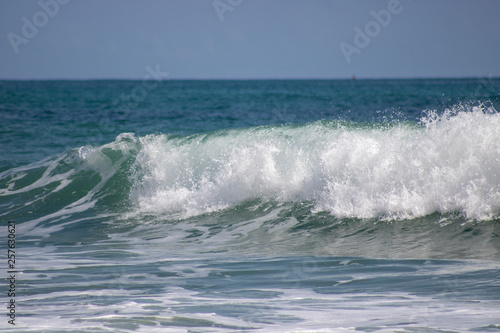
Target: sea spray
448,163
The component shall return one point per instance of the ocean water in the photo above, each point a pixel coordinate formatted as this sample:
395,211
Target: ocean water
251,206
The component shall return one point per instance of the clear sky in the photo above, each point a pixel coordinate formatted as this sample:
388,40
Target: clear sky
240,39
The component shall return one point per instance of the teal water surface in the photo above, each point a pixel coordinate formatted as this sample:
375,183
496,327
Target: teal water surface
269,206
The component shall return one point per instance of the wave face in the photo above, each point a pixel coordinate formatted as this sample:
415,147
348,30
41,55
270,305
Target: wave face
404,189
447,163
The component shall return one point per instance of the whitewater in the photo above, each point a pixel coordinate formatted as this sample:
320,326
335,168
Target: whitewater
448,163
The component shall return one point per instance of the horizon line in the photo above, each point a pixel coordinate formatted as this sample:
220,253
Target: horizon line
353,78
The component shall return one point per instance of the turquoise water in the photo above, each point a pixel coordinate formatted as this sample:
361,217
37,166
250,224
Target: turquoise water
269,206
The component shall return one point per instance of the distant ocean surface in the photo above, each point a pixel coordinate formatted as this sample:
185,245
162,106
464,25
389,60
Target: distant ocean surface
252,206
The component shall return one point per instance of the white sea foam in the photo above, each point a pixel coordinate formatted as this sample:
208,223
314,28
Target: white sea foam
446,163
246,295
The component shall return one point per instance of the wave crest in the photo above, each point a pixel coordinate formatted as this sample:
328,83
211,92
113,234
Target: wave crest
446,163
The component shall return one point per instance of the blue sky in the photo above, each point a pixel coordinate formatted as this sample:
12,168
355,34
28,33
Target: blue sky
245,39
